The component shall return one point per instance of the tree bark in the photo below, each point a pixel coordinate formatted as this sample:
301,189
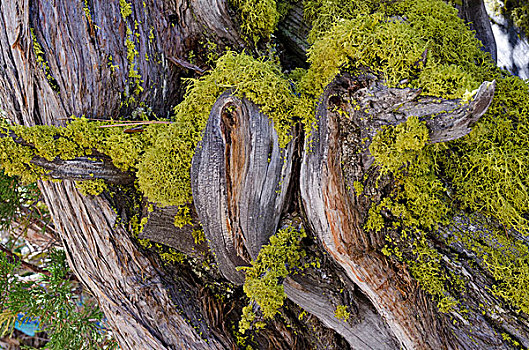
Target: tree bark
245,187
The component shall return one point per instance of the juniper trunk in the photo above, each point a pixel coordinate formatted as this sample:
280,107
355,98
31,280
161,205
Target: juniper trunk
110,59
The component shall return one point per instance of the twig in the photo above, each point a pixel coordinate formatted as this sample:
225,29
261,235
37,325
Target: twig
182,63
136,123
24,264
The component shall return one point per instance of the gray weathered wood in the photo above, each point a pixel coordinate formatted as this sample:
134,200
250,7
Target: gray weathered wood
240,178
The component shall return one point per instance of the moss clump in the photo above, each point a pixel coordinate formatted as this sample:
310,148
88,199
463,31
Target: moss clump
396,146
426,269
324,14
391,42
91,187
163,171
259,18
391,48
169,255
491,173
48,142
420,200
15,159
275,261
78,138
183,217
508,261
424,263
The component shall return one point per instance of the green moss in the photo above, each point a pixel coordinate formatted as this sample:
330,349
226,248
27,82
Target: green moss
15,160
163,171
506,258
135,80
491,173
199,236
91,187
183,217
359,187
426,269
169,255
396,146
78,138
418,204
275,261
125,150
402,151
112,66
366,41
424,264
324,14
48,142
136,224
258,18
392,47
513,342
341,313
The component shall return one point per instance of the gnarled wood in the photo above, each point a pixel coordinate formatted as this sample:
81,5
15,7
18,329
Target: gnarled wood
240,178
336,216
240,182
84,168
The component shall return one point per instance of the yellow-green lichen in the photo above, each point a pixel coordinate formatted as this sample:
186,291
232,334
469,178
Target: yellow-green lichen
135,80
91,187
391,43
125,8
169,255
41,61
258,18
183,217
86,10
324,14
341,313
199,236
275,261
15,160
394,147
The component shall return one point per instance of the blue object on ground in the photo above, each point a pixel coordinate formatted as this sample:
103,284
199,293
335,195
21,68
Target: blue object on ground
27,326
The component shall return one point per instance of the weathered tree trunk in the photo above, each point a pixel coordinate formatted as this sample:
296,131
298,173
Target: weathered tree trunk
245,187
87,72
